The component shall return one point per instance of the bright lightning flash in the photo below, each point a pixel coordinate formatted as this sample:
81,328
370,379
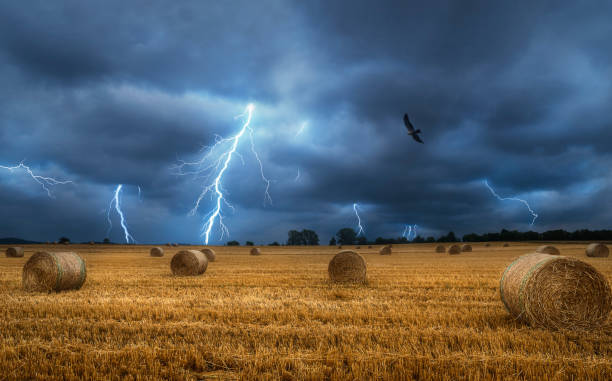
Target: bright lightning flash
408,231
117,202
359,227
533,214
214,163
42,180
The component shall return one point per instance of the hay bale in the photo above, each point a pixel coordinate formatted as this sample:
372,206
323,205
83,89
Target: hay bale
156,252
347,266
440,249
466,247
255,251
210,254
597,250
555,292
46,271
487,244
169,244
14,252
548,249
454,249
189,262
340,247
92,243
66,243
385,250
357,247
506,244
370,246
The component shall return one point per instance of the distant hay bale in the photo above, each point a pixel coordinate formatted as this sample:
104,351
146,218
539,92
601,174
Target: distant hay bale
169,244
385,250
340,247
210,254
255,251
189,262
440,249
597,250
46,271
548,249
454,249
370,246
506,244
347,266
156,252
14,252
92,243
487,244
466,247
555,292
357,247
66,243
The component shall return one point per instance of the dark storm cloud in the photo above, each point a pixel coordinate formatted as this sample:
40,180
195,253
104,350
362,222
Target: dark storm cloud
108,93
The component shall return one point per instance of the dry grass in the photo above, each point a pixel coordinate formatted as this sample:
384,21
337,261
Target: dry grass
421,315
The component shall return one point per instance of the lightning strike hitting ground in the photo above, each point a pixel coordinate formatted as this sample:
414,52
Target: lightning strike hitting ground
359,227
216,163
117,202
298,176
533,214
42,180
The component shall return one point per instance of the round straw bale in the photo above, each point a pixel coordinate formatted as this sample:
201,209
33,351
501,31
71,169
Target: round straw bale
440,249
157,252
14,252
340,247
506,244
487,244
92,243
555,292
357,247
370,246
255,251
347,266
548,249
597,250
66,243
454,249
189,262
46,271
385,250
210,254
466,247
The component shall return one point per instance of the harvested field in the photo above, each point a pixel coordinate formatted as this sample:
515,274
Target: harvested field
278,316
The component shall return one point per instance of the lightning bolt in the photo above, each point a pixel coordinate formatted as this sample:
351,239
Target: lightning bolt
42,180
208,166
117,202
408,231
359,227
298,176
139,194
533,214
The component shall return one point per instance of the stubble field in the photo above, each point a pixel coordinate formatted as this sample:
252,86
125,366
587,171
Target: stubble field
421,315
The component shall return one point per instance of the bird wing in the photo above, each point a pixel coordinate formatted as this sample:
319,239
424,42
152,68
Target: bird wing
417,138
409,125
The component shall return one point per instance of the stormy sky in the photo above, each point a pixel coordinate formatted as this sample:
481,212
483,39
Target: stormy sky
114,92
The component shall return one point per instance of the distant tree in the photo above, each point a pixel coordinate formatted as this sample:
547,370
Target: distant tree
106,240
361,240
233,243
450,237
274,244
295,238
430,239
418,239
64,240
249,243
332,242
310,237
346,236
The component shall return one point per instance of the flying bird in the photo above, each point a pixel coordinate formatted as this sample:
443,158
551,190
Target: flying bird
411,131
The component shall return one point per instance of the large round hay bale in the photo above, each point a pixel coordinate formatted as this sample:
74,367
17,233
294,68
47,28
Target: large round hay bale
46,271
14,252
385,250
555,292
157,252
255,251
347,266
548,249
210,254
597,250
466,247
189,262
454,249
506,244
440,249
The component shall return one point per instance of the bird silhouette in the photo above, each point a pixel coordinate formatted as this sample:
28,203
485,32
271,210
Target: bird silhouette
411,131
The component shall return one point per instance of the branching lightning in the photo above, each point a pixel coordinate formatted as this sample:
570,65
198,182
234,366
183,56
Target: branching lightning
533,214
410,231
116,201
214,163
45,182
359,227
